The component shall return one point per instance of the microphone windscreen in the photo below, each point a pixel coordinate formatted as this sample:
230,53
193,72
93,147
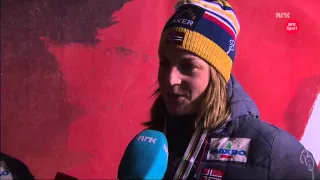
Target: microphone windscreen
146,157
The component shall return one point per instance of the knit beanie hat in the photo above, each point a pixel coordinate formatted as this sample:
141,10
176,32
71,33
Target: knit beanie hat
206,28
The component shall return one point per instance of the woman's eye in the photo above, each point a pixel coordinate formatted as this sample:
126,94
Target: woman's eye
189,66
188,69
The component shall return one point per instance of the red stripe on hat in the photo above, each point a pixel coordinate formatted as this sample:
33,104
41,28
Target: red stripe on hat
223,26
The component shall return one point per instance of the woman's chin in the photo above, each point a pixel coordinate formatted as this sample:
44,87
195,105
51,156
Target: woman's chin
177,110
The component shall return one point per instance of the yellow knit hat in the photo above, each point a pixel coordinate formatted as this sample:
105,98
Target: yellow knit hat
207,28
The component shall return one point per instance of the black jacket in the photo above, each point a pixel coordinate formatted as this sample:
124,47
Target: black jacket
244,148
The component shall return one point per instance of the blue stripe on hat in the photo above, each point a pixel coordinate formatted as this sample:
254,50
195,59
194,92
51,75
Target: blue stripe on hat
220,22
217,34
224,19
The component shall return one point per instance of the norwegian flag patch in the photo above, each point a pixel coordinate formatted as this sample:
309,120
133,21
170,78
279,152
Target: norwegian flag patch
211,174
175,38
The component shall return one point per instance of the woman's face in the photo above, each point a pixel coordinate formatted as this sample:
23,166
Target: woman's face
183,79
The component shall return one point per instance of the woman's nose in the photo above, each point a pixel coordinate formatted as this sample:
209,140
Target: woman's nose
174,77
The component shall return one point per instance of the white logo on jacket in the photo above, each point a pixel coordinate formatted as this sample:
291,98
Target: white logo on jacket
306,159
229,149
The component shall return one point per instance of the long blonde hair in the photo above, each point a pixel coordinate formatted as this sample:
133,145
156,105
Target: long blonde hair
214,111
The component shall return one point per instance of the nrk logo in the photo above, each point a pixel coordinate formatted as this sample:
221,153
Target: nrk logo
292,26
282,15
228,153
147,139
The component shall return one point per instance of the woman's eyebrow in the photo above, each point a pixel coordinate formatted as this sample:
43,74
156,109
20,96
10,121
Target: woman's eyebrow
188,59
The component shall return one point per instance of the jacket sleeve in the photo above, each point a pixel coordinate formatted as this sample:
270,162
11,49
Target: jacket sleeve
290,160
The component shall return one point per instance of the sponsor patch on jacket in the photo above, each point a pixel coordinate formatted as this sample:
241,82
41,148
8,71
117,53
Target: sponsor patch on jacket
229,149
210,174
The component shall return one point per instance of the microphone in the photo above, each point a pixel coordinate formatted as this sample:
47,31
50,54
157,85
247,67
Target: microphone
146,157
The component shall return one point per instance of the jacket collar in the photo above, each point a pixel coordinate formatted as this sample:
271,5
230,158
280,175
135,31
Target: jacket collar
241,102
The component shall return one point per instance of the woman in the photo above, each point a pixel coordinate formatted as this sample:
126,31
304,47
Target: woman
212,125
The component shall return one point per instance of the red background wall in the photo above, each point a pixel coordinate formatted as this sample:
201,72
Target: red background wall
77,75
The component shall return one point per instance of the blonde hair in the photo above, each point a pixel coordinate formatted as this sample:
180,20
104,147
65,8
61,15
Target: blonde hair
214,111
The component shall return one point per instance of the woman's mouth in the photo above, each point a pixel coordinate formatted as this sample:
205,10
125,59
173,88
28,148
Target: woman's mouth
174,96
